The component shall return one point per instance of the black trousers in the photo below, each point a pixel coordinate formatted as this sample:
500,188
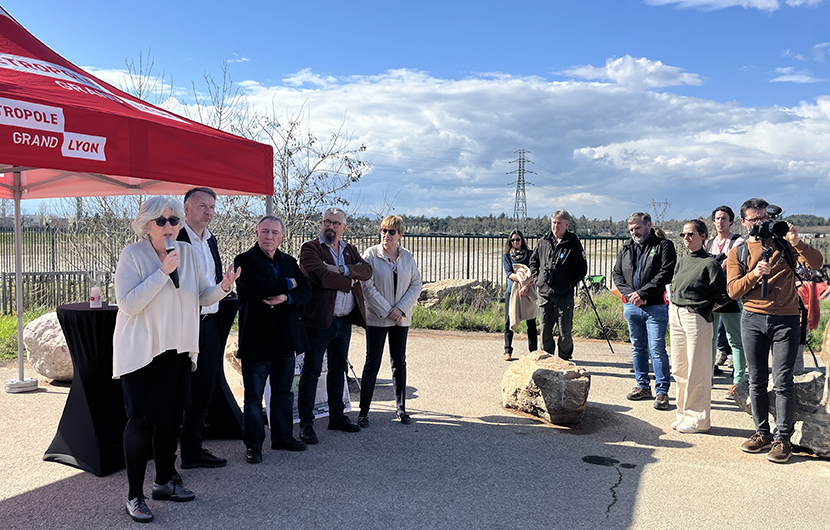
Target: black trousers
375,338
202,385
153,400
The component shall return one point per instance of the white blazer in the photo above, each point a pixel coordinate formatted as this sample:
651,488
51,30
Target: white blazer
154,316
379,290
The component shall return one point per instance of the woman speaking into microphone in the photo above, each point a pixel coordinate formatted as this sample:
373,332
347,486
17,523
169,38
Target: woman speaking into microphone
159,288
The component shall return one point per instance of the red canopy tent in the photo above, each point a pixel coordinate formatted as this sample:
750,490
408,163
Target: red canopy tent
64,133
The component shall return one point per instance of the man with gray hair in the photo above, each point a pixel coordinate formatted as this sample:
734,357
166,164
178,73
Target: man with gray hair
645,265
558,265
335,270
272,288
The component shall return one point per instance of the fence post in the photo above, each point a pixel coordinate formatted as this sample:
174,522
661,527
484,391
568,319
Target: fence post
468,258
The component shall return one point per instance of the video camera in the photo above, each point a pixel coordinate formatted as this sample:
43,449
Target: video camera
771,228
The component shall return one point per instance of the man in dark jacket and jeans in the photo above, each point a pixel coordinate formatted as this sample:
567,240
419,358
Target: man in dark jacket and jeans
272,288
557,266
645,265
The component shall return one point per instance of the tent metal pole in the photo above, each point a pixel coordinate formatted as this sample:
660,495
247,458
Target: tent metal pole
21,384
269,205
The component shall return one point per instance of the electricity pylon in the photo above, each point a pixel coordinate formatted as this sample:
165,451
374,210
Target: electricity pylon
520,204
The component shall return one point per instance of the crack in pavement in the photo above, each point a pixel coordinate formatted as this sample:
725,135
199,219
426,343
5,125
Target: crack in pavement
607,461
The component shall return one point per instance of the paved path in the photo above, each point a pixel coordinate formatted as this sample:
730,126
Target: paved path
464,463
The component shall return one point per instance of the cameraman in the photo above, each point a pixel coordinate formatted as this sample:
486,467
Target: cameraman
557,265
769,321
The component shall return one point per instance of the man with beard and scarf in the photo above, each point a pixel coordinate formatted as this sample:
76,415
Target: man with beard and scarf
335,269
645,265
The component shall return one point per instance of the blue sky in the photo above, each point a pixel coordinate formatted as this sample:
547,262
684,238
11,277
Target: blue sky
620,102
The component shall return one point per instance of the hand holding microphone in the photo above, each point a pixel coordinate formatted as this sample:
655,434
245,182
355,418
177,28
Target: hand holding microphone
170,264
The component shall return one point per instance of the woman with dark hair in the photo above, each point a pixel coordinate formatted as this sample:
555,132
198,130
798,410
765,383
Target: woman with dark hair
699,288
516,259
159,287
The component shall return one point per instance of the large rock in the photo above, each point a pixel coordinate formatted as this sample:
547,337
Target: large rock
473,292
546,386
812,421
46,348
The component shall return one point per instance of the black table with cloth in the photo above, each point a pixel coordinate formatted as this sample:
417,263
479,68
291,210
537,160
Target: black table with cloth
91,431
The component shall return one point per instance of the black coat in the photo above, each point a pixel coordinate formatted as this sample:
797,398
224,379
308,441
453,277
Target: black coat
227,308
566,260
214,250
658,260
265,331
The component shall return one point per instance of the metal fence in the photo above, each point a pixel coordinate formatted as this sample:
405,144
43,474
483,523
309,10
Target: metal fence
58,265
49,289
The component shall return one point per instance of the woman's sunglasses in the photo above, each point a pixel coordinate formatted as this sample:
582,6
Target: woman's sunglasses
161,221
390,231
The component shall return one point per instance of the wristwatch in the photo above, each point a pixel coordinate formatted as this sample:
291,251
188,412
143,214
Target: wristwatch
342,269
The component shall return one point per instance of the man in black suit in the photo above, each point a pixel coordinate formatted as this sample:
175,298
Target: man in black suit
271,289
199,207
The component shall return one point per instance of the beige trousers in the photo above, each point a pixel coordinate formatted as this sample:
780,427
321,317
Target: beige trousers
691,363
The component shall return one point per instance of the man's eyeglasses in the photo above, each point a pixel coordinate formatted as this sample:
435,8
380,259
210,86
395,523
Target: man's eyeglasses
333,224
161,221
390,231
689,235
754,220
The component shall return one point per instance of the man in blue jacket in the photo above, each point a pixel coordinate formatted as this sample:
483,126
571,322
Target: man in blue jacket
645,265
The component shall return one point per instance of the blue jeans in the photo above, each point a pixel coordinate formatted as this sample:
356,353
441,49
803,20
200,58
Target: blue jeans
647,329
333,340
254,374
782,333
731,323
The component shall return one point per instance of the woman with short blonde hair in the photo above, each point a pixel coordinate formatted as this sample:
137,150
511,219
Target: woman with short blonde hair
391,295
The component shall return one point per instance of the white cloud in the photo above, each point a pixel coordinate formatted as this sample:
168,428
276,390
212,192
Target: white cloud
121,78
636,73
443,147
791,75
789,53
763,5
306,77
710,5
820,49
239,60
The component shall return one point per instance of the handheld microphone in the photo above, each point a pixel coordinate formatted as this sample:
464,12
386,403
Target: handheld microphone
169,246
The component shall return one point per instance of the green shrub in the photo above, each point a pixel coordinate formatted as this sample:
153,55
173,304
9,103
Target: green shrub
8,331
815,336
488,316
610,312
